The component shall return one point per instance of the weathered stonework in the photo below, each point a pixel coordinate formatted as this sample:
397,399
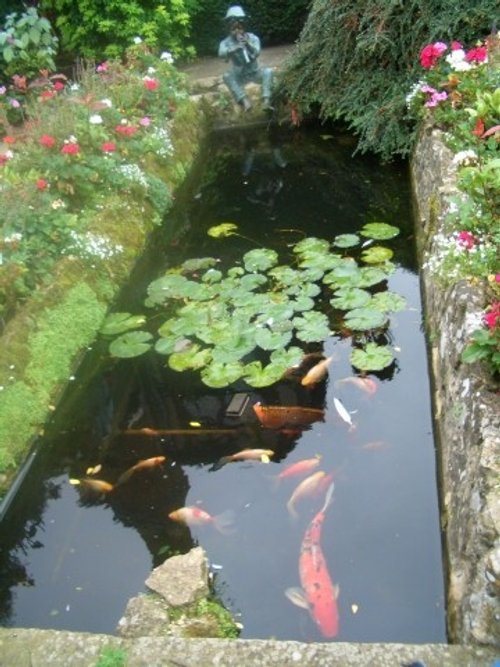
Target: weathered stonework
467,417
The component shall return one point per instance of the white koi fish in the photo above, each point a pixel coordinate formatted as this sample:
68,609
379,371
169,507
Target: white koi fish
342,412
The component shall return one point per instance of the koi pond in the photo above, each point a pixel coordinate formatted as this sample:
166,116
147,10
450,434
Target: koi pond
317,372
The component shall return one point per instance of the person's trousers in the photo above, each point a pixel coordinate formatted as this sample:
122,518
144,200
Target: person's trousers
237,82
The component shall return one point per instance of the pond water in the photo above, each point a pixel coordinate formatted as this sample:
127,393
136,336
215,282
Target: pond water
71,559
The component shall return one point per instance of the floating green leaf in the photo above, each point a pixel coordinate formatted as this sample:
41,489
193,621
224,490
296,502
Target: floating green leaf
131,344
346,240
258,376
364,319
118,323
175,286
346,274
312,245
371,275
388,302
377,254
272,340
312,326
287,358
224,229
218,375
190,359
260,259
372,358
212,276
380,231
350,297
197,264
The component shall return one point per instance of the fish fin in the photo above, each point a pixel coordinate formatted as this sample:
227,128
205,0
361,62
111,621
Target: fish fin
336,591
220,463
292,511
297,597
265,458
124,477
224,522
74,482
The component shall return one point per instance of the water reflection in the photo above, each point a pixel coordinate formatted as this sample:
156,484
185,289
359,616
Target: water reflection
71,559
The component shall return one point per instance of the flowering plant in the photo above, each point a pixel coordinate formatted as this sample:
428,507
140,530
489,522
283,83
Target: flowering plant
485,342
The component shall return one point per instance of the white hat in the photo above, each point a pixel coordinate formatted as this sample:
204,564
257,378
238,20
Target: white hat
235,12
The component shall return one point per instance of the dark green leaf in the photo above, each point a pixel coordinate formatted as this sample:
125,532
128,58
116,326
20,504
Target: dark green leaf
131,344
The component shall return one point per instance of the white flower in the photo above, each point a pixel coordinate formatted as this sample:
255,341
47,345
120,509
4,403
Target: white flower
151,70
137,40
166,55
95,119
464,157
92,245
456,60
74,87
107,102
58,203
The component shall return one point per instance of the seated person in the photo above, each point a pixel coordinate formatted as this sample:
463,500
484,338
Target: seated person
242,49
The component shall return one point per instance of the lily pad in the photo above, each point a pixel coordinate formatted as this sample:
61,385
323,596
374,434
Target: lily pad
257,375
364,319
212,276
312,326
311,245
224,229
198,263
131,344
272,340
175,286
372,358
287,358
380,231
377,254
218,375
118,323
192,358
260,259
350,297
388,302
346,240
346,274
371,275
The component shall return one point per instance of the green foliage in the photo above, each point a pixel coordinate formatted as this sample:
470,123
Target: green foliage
99,30
356,60
112,656
27,44
484,344
249,321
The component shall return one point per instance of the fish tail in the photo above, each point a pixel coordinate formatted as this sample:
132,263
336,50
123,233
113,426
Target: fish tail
292,511
224,522
124,477
328,497
220,463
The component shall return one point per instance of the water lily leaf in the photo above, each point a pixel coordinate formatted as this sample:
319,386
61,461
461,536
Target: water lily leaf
118,323
197,264
224,229
169,345
191,358
380,231
175,286
364,319
302,303
272,340
312,326
350,297
218,375
388,302
371,275
320,261
312,245
260,259
276,313
257,376
235,271
287,358
346,240
372,358
252,280
377,254
131,344
346,274
304,289
212,276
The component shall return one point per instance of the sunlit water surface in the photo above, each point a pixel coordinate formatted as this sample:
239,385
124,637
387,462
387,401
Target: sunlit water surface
71,560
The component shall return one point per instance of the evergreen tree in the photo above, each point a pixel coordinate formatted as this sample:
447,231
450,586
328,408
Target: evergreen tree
356,61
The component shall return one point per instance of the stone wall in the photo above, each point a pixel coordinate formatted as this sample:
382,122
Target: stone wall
467,416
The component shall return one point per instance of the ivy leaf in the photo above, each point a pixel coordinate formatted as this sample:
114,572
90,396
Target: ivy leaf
346,240
380,231
118,323
222,230
350,297
131,344
372,358
260,259
364,319
377,254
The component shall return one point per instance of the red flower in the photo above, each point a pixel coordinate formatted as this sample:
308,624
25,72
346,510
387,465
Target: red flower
467,240
431,53
492,317
46,94
70,149
478,130
126,130
58,85
151,84
42,184
47,140
8,139
476,55
108,147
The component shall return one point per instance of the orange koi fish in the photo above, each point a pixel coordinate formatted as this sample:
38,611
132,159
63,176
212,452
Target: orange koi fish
368,385
309,486
245,455
97,485
317,372
298,468
194,516
141,465
278,416
318,594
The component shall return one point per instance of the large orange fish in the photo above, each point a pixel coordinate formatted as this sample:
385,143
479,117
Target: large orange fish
318,594
97,485
194,516
298,468
145,464
368,385
312,485
280,416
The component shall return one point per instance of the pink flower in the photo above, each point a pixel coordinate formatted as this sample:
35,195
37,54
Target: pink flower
431,53
151,84
436,98
59,85
145,121
42,184
456,46
70,149
467,240
126,130
108,147
479,54
9,139
103,67
492,317
14,103
47,140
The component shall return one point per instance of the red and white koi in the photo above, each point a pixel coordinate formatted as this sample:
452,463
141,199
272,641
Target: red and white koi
299,468
342,412
195,516
145,464
317,372
368,385
318,594
309,486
